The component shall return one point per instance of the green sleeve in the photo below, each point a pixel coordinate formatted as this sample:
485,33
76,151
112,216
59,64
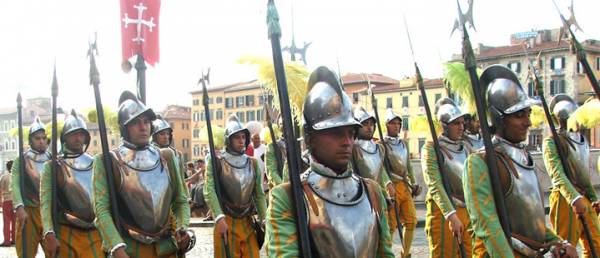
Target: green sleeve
16,183
482,209
182,169
433,179
180,205
281,236
384,248
46,198
104,221
385,177
559,177
209,189
271,166
259,194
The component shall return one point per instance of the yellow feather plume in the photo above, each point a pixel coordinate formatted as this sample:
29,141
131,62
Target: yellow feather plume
48,129
586,116
218,136
420,126
296,75
457,78
538,117
265,135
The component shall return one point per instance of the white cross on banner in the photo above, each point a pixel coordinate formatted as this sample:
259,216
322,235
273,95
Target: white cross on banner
139,29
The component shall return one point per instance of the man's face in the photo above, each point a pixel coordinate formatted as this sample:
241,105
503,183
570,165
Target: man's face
333,147
238,141
163,137
75,141
516,126
255,140
39,141
200,164
393,127
139,130
365,132
472,126
456,128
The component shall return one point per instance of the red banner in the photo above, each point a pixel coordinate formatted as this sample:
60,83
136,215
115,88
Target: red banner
139,29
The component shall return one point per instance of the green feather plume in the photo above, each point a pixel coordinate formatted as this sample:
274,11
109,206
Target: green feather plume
457,78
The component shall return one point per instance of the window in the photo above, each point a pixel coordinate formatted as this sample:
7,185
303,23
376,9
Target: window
355,97
212,114
557,87
6,144
250,115
229,102
420,101
240,116
249,100
405,123
196,150
182,126
404,101
210,101
598,63
239,101
259,115
13,124
261,99
515,66
5,126
201,116
530,89
557,63
388,102
185,143
421,143
219,114
196,133
437,97
95,143
579,68
196,102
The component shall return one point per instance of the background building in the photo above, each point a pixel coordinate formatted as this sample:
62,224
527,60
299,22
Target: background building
179,118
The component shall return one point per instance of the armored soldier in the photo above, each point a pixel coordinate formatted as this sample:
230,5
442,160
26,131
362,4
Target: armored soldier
75,233
577,193
403,180
162,137
509,108
445,218
346,214
26,200
367,155
240,196
472,136
148,187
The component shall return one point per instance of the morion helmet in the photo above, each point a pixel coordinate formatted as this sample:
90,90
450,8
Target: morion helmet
130,108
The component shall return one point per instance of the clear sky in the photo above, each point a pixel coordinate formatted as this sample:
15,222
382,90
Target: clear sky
366,36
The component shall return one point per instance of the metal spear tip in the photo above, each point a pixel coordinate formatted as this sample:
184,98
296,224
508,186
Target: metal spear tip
19,100
205,77
54,83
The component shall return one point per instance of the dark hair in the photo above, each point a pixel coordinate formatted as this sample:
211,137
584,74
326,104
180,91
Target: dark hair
200,161
9,165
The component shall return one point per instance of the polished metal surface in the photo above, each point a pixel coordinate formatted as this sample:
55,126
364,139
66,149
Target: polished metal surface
327,105
234,126
159,125
524,197
238,182
34,165
361,115
562,106
447,111
579,153
455,155
368,159
129,109
474,141
74,123
145,188
390,115
397,152
76,190
347,225
37,125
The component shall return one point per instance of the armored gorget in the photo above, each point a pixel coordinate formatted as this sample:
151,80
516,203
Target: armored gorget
75,190
475,141
145,191
368,159
238,180
579,155
398,156
347,224
34,165
524,197
455,154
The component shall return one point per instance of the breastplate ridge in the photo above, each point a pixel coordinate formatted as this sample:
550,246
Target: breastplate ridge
76,192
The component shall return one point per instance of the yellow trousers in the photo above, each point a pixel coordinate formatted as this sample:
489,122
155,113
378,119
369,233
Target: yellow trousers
441,241
406,213
241,239
566,224
79,243
479,250
30,236
140,250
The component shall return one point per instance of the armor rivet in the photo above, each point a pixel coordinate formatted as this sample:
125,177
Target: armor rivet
317,187
344,194
339,195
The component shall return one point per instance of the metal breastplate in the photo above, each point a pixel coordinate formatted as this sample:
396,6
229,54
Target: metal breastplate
475,141
455,155
579,153
237,183
524,197
369,159
398,156
145,189
34,165
75,192
347,225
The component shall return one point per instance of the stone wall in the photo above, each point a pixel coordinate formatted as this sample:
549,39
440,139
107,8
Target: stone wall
540,168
